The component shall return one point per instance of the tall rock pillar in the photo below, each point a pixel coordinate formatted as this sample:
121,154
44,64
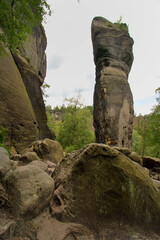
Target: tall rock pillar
113,102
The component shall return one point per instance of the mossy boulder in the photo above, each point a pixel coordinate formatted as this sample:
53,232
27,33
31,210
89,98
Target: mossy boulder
98,184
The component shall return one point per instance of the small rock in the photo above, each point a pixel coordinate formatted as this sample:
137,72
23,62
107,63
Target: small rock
40,164
29,157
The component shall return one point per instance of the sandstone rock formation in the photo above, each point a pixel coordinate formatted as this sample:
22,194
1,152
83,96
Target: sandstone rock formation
31,62
22,109
99,185
16,112
113,103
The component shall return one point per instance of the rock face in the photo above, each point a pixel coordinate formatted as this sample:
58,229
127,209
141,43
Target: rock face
98,185
31,62
22,109
16,112
113,103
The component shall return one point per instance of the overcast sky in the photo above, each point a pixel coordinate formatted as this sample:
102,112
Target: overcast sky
70,54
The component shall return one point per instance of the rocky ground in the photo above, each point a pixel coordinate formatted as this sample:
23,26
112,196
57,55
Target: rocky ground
96,193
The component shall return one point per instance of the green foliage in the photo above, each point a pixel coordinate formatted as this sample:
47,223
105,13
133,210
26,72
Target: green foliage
136,142
17,18
147,131
75,129
43,89
120,25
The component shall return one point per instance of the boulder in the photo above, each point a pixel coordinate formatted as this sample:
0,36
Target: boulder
113,102
5,163
29,157
98,185
29,189
48,150
40,164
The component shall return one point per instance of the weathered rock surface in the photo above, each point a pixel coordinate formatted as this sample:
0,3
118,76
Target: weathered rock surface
16,112
48,150
29,189
113,102
40,164
31,62
5,163
98,185
29,157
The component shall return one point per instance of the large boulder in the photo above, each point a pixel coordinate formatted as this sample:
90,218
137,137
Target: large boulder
113,102
98,185
29,189
16,112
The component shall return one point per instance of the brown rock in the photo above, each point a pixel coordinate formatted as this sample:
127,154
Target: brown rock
136,158
16,112
31,62
98,185
48,150
113,102
29,157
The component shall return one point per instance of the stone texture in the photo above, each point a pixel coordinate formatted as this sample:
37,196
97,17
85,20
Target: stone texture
113,102
29,189
48,150
16,112
29,157
5,163
31,62
98,185
40,164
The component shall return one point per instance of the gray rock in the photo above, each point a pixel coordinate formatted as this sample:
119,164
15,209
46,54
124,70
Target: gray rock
113,102
29,189
5,163
40,164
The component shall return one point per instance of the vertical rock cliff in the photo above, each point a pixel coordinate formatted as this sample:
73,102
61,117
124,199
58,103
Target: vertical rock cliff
31,62
113,102
22,109
16,112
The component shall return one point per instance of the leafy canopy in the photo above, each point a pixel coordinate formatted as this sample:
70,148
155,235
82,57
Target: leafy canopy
75,130
17,18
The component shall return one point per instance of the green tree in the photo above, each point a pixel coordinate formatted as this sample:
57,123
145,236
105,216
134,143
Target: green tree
153,128
75,131
17,18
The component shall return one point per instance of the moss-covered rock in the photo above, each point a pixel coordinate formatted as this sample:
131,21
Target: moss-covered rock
98,184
